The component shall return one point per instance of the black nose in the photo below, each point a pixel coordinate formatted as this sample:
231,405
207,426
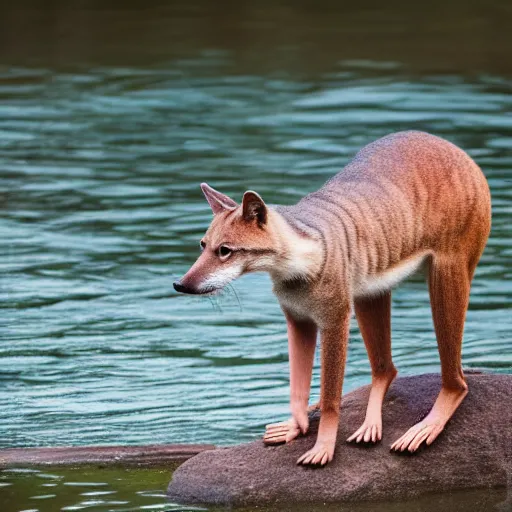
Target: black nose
181,288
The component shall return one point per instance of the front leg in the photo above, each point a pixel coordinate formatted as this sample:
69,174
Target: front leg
374,318
334,353
301,348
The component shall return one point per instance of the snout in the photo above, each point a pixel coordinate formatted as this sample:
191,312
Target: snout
179,287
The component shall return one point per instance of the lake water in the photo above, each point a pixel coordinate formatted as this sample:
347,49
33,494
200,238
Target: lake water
129,490
109,120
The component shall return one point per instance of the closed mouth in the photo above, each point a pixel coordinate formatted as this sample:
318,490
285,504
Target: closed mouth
206,291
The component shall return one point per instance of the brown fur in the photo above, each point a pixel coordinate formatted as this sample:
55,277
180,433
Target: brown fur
406,198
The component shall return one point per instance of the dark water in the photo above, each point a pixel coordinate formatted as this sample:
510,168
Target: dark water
50,490
127,490
109,120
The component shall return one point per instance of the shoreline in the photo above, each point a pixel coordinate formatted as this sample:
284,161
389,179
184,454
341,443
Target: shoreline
130,456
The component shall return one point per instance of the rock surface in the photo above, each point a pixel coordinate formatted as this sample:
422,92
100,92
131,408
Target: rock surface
474,451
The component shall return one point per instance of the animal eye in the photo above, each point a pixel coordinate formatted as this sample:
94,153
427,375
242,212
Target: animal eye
224,251
202,244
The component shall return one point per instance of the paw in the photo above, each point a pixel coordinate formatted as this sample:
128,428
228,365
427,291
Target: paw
283,432
369,432
319,455
417,435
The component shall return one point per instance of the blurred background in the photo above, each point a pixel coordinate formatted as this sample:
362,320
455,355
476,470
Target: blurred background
111,114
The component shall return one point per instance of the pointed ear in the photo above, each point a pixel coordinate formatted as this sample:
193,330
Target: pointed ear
217,201
254,208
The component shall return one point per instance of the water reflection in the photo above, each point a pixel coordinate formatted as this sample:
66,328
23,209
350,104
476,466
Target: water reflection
143,489
122,490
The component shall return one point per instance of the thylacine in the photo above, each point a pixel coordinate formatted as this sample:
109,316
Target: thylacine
406,199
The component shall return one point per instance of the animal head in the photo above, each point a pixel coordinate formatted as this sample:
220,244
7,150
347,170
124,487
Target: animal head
241,239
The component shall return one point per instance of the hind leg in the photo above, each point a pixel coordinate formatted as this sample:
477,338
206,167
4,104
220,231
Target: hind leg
449,284
374,318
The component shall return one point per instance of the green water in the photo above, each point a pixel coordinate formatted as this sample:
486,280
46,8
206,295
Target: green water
124,490
111,117
49,490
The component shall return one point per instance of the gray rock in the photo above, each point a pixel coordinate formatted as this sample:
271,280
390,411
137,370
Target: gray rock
474,451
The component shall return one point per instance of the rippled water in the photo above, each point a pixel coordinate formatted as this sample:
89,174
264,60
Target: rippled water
123,490
67,490
101,157
101,208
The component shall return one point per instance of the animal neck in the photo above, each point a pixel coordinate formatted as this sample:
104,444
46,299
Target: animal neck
300,254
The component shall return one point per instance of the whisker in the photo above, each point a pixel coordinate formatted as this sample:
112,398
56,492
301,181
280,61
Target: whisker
219,307
233,289
214,303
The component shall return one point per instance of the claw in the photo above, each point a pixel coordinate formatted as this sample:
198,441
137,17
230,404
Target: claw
367,432
278,426
416,436
284,432
320,454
